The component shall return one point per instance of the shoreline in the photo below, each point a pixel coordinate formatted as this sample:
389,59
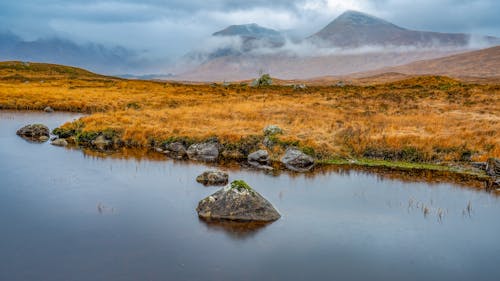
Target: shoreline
462,169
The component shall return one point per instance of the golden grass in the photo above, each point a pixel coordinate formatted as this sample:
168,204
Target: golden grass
421,118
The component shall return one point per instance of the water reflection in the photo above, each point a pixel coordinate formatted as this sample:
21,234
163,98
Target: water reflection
237,230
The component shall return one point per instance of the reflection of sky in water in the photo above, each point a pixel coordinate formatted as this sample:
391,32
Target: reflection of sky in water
67,216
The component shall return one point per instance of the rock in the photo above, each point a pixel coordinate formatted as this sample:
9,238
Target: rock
175,150
59,142
208,151
34,132
159,149
101,142
340,84
237,201
297,160
493,167
259,159
213,177
479,165
299,87
272,130
48,109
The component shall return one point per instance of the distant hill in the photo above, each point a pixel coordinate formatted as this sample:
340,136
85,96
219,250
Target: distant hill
61,51
480,64
26,71
356,29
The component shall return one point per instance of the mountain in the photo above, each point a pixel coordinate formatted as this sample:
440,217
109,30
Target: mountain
91,56
236,40
356,29
480,64
354,42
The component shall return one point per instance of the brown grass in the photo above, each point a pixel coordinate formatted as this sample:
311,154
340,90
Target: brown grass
419,119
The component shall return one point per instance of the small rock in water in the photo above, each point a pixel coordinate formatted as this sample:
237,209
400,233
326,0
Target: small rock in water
208,151
213,177
297,160
175,150
259,159
493,167
101,142
237,201
34,132
48,109
59,142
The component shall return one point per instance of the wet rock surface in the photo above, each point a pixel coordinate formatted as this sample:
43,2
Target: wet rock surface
259,159
34,132
213,177
237,201
175,150
48,109
59,142
493,167
297,160
208,151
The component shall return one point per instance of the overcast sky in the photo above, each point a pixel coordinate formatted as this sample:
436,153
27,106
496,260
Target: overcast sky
169,28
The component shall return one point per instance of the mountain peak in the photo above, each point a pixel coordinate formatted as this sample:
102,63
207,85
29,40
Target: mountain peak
248,30
356,29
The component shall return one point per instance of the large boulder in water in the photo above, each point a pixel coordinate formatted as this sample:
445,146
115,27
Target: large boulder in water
34,132
237,201
208,151
213,177
297,160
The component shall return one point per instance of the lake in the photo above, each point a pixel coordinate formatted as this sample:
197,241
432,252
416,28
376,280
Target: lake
70,215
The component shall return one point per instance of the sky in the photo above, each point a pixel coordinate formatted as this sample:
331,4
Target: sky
171,28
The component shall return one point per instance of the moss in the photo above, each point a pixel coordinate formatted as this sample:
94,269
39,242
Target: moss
241,185
86,137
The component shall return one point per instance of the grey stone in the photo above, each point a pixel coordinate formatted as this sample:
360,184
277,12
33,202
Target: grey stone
259,159
493,167
101,142
297,160
272,130
175,150
208,151
48,109
59,142
237,201
34,132
213,177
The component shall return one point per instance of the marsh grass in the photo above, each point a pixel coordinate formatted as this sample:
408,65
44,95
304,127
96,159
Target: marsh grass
420,120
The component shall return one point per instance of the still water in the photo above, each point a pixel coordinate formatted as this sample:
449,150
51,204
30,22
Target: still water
65,215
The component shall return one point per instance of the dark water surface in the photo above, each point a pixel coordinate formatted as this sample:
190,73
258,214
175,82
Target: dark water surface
68,216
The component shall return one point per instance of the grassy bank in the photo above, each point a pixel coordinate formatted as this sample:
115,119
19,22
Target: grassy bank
410,123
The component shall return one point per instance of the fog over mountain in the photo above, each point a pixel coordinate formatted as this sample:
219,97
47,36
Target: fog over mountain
158,36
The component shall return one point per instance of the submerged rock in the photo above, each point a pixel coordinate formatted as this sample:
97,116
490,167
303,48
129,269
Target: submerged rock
213,177
259,159
175,150
48,109
208,151
59,142
493,167
237,201
297,160
34,132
